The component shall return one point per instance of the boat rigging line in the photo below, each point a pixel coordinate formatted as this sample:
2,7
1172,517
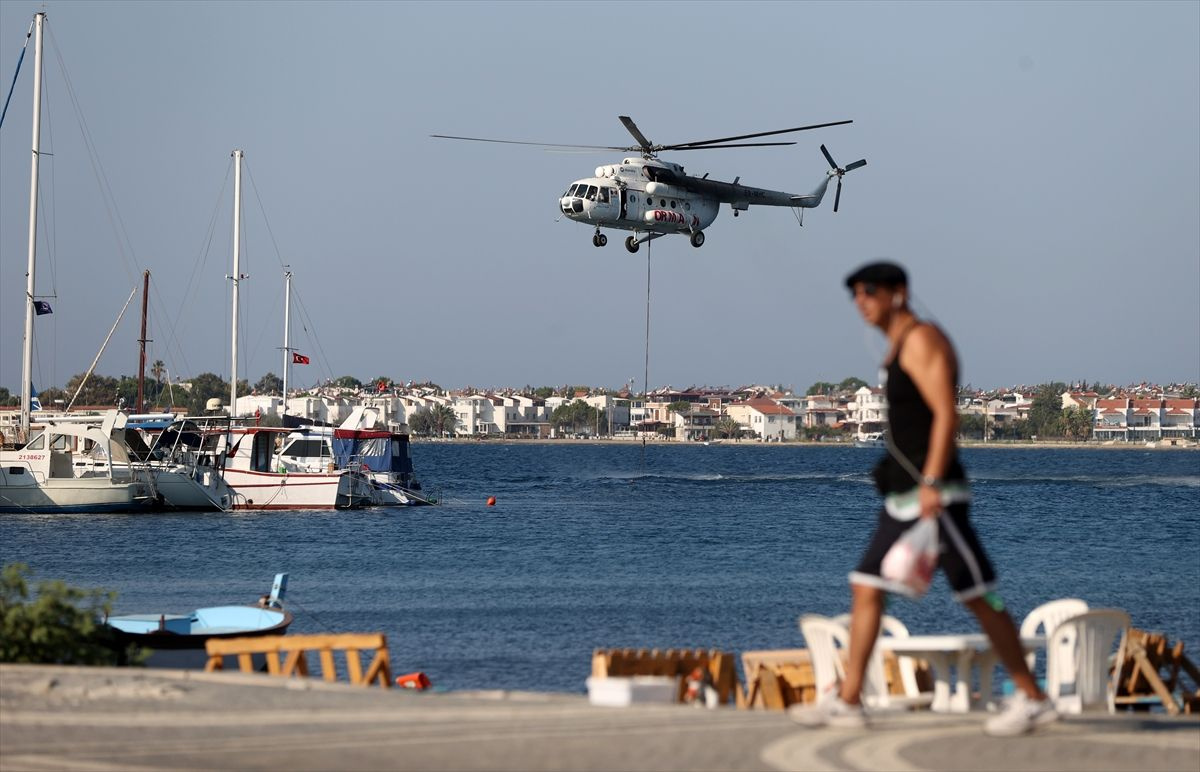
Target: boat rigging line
120,232
17,72
103,345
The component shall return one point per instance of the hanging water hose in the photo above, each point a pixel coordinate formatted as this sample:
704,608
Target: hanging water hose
646,371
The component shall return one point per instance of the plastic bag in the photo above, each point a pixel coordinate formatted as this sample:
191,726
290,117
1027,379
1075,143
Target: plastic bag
911,561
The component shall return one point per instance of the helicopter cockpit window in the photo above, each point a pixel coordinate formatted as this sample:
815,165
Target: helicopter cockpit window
591,193
568,192
604,195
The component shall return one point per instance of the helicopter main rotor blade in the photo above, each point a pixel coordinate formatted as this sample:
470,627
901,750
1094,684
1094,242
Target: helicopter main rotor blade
535,144
632,128
683,145
837,198
856,164
740,144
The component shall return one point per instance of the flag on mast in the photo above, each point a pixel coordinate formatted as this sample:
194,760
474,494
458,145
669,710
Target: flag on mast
299,359
41,308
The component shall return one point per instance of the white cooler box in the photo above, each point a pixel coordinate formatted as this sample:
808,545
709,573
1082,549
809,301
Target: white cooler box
619,691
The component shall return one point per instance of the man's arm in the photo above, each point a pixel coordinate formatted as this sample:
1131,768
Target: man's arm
929,360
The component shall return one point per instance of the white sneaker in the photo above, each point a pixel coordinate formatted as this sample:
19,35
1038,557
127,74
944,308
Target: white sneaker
829,712
1021,715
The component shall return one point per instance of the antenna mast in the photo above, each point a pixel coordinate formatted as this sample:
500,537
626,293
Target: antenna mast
287,341
237,274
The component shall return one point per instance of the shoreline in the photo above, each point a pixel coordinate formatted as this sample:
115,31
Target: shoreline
1004,444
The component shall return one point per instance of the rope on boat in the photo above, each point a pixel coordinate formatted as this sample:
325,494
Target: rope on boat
291,601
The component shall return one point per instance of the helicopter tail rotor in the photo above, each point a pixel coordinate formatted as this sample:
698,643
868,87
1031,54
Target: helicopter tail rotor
838,171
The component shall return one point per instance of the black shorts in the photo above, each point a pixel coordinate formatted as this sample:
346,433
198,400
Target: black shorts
961,557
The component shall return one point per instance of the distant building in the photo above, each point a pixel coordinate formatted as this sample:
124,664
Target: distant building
765,418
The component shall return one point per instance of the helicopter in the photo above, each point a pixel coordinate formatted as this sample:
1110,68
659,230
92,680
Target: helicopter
655,198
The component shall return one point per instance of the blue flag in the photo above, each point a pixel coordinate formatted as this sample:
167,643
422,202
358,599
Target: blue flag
41,307
34,402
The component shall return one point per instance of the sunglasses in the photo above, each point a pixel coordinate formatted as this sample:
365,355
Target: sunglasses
868,288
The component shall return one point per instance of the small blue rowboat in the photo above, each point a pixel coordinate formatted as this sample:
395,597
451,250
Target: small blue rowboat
190,631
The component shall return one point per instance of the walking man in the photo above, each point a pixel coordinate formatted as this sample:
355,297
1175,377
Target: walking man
920,477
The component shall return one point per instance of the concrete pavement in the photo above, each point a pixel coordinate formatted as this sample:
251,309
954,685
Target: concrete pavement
60,718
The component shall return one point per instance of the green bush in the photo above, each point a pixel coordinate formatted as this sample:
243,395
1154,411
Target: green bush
62,625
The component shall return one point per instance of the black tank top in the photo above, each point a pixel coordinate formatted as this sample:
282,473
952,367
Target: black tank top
909,422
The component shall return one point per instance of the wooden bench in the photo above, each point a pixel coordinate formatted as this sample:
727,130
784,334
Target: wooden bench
294,650
675,663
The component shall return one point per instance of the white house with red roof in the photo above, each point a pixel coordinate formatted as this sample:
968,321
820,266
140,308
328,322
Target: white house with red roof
822,410
1181,418
1085,399
1145,419
766,418
1112,419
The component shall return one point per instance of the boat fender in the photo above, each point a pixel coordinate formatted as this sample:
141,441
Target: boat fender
417,680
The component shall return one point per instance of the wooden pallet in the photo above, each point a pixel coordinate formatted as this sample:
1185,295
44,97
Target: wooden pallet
778,678
295,649
1149,671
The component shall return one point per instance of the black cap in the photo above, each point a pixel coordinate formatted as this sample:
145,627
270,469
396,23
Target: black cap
882,273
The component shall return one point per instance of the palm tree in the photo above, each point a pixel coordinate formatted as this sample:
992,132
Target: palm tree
157,369
444,420
728,428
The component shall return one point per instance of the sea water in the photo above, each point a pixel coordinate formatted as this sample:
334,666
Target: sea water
619,545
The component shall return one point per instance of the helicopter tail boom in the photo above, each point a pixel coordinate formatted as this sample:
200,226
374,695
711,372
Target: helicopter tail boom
812,200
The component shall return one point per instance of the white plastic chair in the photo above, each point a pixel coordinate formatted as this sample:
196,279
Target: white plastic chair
889,625
826,636
1046,617
1086,642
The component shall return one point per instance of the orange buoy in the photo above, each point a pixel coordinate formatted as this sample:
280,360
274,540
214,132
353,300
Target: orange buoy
491,502
418,681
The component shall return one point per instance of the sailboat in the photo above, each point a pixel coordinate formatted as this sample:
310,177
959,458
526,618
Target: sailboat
40,476
252,466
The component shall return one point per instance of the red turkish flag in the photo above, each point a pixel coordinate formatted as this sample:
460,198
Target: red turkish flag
299,359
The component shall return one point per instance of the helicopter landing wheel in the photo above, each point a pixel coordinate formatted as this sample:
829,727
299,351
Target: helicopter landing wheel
632,244
599,240
698,239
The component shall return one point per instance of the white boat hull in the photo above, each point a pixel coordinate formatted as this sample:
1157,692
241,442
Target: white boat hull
20,493
200,488
297,490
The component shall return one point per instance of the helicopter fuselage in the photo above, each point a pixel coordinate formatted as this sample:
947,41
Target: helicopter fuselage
647,195
628,197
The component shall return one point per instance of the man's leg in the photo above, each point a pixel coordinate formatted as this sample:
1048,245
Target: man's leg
865,612
1007,644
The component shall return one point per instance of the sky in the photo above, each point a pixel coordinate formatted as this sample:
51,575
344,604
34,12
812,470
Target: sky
1035,166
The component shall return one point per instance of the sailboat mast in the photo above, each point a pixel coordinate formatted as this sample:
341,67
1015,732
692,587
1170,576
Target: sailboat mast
142,344
27,348
237,273
287,340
